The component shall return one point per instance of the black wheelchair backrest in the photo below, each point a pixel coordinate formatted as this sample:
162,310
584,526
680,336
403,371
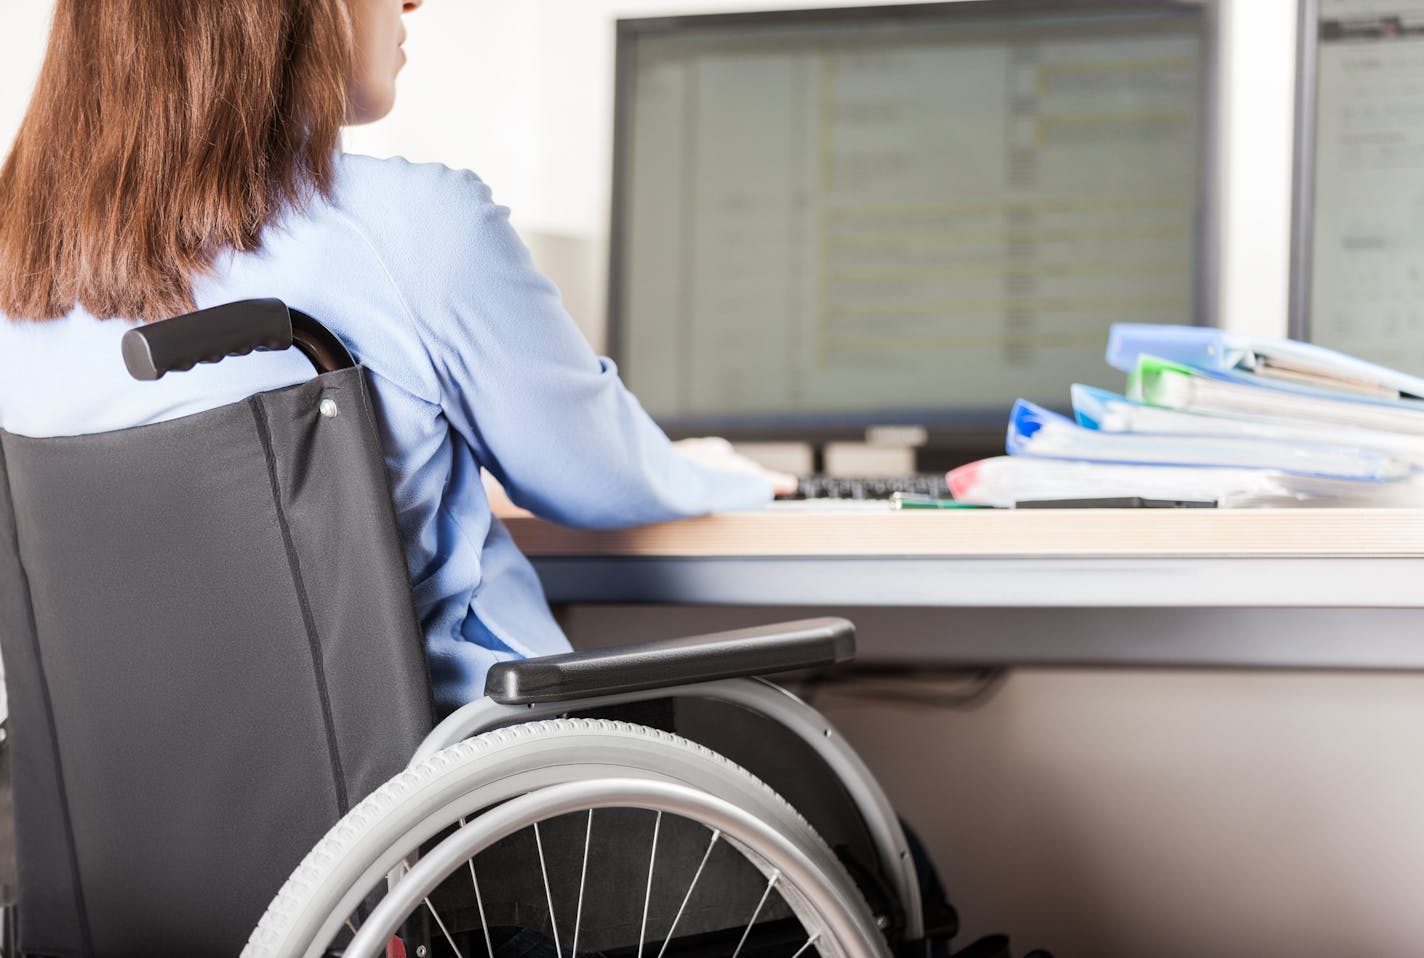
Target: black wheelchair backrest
210,652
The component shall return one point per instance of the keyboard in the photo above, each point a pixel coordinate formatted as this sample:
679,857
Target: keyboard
842,487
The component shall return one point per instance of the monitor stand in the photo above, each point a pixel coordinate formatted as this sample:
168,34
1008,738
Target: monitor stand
901,450
867,459
943,459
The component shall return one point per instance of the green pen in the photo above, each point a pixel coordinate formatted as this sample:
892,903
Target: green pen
910,500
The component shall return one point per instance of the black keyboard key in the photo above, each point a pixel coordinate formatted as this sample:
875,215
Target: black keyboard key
879,487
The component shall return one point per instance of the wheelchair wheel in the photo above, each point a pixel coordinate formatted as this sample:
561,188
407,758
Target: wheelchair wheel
568,838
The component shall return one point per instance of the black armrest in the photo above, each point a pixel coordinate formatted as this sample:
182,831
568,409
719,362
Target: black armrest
663,664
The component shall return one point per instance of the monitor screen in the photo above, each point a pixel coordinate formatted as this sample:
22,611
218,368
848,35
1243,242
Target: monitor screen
828,219
1358,257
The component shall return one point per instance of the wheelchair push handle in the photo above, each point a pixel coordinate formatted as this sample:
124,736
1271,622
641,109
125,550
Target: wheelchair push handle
235,329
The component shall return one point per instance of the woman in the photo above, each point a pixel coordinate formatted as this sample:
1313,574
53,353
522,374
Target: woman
180,156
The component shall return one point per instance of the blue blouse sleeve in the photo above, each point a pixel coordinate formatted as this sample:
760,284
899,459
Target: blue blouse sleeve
519,383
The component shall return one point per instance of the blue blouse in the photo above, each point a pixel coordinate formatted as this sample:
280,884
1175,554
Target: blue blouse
473,363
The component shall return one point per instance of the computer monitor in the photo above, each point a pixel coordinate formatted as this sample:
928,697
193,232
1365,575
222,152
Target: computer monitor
1357,279
825,220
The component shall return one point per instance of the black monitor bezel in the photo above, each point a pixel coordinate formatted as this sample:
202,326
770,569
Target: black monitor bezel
947,427
1302,242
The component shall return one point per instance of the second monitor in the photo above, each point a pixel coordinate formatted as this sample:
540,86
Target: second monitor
828,219
1358,257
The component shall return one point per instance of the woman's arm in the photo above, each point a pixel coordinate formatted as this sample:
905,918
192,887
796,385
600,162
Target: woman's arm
519,383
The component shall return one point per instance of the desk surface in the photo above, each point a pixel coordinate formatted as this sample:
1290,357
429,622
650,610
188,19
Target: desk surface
1135,558
994,532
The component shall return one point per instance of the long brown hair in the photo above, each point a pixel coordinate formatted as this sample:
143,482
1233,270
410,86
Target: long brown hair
163,133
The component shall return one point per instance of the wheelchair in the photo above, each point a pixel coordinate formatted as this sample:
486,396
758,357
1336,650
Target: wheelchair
214,665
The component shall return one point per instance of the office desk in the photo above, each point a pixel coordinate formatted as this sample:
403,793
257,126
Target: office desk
1269,588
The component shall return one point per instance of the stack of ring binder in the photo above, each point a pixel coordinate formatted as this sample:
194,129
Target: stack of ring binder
1208,414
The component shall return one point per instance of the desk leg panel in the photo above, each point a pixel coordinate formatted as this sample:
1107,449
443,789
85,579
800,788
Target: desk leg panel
1350,639
1012,582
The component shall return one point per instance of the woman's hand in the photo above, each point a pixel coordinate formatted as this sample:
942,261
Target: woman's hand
715,453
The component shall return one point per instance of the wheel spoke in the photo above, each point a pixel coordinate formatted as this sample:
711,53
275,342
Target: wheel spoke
480,904
809,942
716,834
443,930
583,876
771,883
548,895
648,895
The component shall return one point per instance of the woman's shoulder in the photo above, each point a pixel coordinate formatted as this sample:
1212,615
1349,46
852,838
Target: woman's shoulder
398,189
397,170
423,217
